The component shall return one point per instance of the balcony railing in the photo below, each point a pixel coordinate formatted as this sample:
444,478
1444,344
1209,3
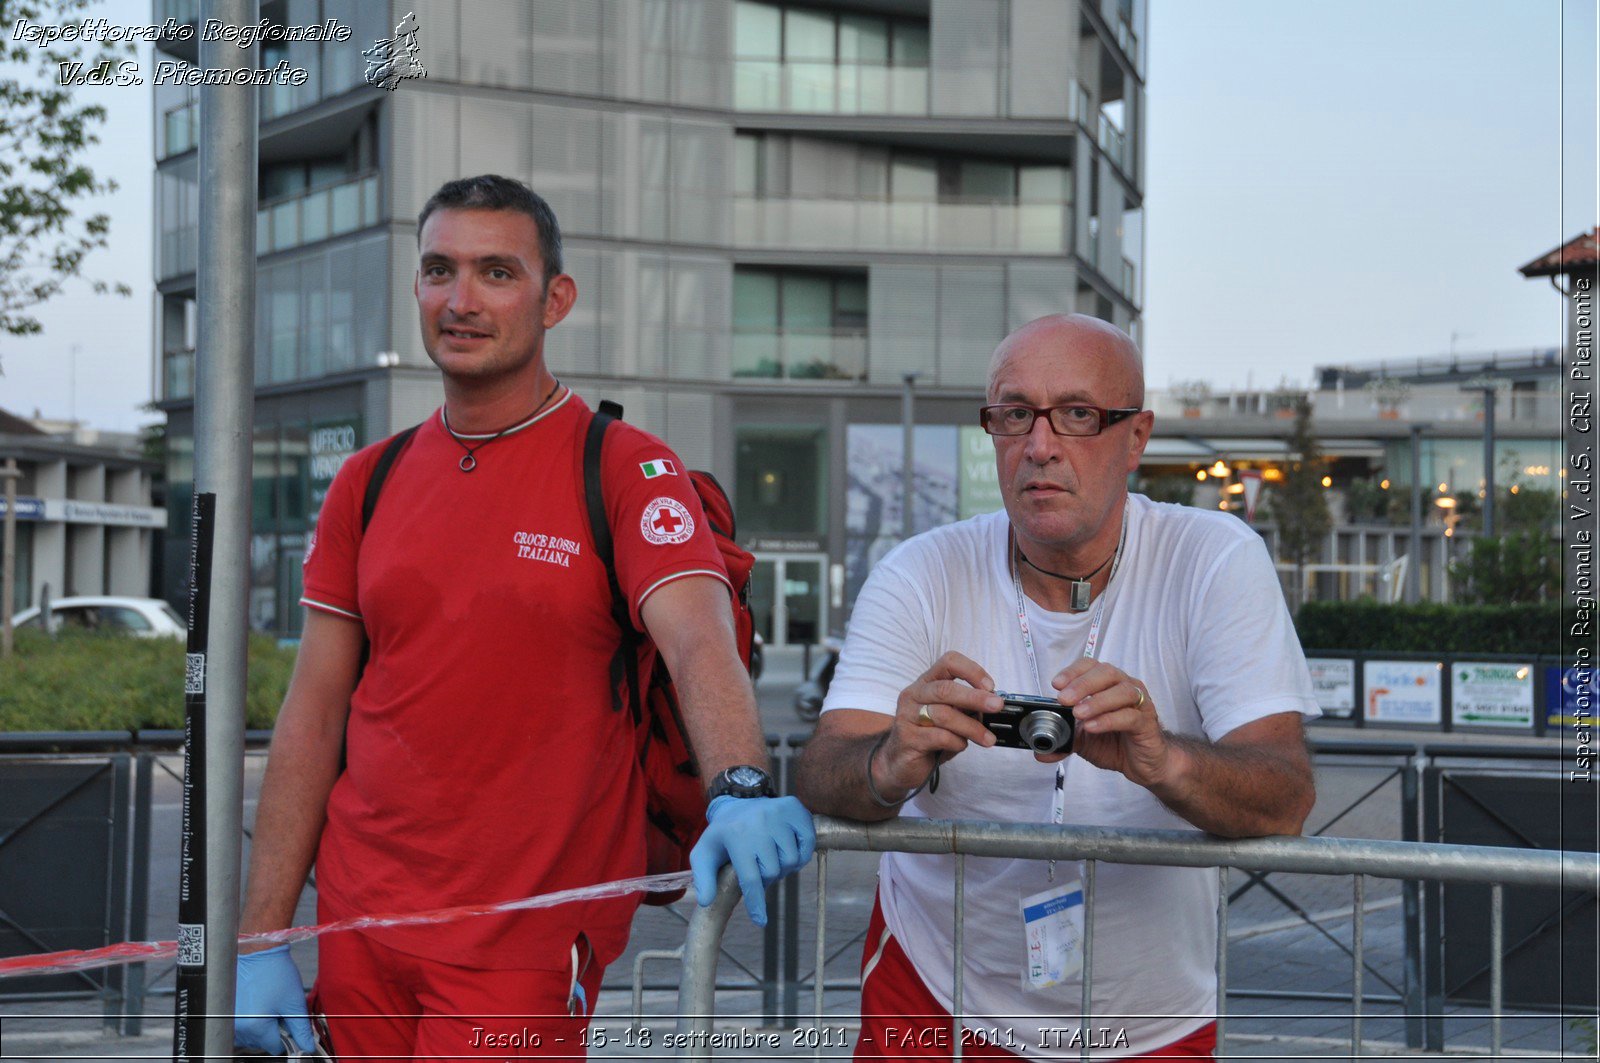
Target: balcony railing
829,88
800,354
1113,142
318,215
889,225
1525,410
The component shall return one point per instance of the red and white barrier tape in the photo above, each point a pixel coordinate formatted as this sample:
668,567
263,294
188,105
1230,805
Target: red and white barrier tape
139,951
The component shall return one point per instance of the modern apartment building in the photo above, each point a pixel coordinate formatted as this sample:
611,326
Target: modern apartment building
88,517
776,212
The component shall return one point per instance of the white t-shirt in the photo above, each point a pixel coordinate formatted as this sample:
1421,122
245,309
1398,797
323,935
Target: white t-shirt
1195,613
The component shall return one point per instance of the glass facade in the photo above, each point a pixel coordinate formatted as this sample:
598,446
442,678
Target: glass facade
323,312
293,460
816,61
799,325
780,480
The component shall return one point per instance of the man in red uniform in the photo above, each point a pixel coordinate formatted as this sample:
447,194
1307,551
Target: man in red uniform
485,759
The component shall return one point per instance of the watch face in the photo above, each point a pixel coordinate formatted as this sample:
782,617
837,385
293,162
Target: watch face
744,775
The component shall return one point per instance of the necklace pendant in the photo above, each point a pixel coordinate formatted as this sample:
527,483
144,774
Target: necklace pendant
468,463
1080,596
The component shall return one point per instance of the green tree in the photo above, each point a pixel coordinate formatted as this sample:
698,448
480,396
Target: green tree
1300,502
1523,566
45,186
1366,501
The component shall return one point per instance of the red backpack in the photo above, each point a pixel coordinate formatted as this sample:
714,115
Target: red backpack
675,802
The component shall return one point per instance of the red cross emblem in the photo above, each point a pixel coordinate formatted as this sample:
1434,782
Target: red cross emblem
666,521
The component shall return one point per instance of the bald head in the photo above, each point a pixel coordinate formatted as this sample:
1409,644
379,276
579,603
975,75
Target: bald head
1071,337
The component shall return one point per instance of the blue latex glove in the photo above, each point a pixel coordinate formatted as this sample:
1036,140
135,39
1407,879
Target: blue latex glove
764,838
267,987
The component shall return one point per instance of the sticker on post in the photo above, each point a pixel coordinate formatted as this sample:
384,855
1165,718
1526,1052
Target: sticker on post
191,944
1052,925
194,673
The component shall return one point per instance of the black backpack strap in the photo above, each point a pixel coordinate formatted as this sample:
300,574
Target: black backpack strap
380,473
625,663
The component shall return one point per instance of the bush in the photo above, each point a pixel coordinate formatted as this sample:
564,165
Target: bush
1430,628
79,681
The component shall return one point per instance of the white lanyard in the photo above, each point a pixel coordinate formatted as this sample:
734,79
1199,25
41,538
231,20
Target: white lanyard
1091,645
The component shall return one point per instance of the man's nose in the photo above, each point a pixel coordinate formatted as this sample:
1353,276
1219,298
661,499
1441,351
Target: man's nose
463,300
1043,443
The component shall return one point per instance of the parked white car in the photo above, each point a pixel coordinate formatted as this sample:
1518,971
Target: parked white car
146,617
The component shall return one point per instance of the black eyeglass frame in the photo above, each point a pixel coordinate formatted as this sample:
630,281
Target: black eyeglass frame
1108,417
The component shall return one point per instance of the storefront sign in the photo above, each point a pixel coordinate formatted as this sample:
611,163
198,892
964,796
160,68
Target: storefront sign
772,545
1492,695
1403,691
73,511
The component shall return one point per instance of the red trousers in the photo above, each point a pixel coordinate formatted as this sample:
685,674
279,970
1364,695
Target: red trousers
387,1005
900,1019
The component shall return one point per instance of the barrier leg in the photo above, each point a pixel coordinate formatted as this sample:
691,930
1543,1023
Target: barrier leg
697,993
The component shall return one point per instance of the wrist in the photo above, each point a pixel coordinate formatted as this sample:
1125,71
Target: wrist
741,780
1175,780
878,796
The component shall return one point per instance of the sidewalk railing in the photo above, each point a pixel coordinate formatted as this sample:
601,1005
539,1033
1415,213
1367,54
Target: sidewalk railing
1497,866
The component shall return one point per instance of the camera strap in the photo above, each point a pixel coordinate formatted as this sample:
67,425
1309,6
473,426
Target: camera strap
1091,647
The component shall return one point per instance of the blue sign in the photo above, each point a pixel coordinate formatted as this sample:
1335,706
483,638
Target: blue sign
27,508
1571,695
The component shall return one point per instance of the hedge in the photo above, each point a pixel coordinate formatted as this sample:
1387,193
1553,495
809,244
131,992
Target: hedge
1430,627
80,681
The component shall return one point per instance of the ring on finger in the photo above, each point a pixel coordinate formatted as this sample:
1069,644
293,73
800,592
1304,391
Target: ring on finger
1140,702
924,717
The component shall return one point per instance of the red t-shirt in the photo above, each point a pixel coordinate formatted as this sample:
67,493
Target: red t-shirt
485,761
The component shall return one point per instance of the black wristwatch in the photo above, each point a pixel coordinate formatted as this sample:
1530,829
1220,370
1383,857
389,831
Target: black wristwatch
743,780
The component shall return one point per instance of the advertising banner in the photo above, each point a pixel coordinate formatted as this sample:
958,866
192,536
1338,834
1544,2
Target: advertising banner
1492,695
1334,679
1403,691
1571,695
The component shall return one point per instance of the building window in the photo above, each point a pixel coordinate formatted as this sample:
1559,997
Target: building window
799,325
819,61
780,480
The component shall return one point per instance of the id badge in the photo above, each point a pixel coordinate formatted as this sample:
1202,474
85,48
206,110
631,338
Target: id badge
1052,924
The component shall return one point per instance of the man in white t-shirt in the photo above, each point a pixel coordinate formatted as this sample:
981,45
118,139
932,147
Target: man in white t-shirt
1162,629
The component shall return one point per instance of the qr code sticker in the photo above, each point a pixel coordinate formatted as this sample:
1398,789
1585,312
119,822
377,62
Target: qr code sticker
191,945
194,673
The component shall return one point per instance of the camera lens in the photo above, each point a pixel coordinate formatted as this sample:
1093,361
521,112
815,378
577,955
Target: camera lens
1046,732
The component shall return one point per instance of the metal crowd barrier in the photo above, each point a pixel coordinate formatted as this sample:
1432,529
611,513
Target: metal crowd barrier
1498,866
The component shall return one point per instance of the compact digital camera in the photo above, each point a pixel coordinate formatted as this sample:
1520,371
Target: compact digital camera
1031,722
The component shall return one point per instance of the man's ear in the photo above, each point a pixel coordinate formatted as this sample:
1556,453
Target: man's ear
559,296
1138,436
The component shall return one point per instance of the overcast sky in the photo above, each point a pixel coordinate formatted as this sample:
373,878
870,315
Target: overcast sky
1327,183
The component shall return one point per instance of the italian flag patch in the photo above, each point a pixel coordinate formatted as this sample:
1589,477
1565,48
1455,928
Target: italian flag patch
659,467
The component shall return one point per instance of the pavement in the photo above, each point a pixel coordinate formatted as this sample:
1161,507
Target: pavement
1271,949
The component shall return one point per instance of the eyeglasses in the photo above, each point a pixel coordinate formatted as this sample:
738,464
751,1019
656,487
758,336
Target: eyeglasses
1072,419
